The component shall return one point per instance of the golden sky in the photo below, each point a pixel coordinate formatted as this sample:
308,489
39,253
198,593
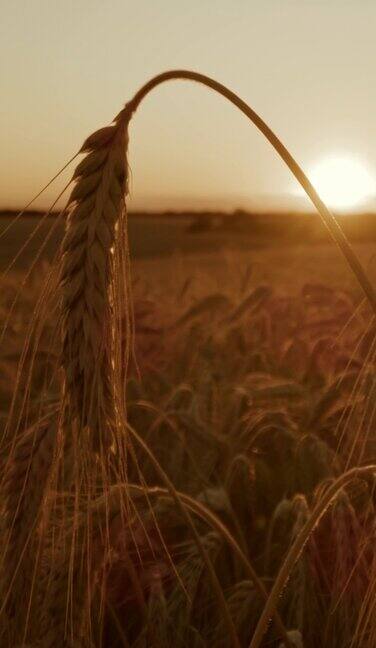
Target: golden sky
307,66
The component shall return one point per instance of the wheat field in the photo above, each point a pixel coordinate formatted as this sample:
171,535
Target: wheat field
187,451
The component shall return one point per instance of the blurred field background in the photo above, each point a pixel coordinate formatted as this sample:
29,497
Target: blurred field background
253,387
283,249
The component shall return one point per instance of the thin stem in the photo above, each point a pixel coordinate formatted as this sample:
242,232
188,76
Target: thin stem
326,215
186,514
210,518
298,546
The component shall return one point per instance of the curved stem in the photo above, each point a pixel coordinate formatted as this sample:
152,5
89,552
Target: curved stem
326,215
210,518
186,514
298,546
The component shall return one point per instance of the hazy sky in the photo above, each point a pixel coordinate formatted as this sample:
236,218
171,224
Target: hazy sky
67,66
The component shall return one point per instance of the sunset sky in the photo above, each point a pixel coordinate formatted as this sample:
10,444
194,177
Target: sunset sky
307,66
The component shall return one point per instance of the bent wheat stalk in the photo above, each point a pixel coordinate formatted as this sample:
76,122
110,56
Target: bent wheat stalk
95,207
326,215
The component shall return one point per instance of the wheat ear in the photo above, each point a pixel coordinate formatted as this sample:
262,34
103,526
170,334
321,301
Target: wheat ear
25,480
95,207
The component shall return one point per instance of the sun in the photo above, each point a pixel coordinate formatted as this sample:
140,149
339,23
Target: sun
342,181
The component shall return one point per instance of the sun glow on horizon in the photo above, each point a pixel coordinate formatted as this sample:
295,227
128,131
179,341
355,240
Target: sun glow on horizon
343,182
